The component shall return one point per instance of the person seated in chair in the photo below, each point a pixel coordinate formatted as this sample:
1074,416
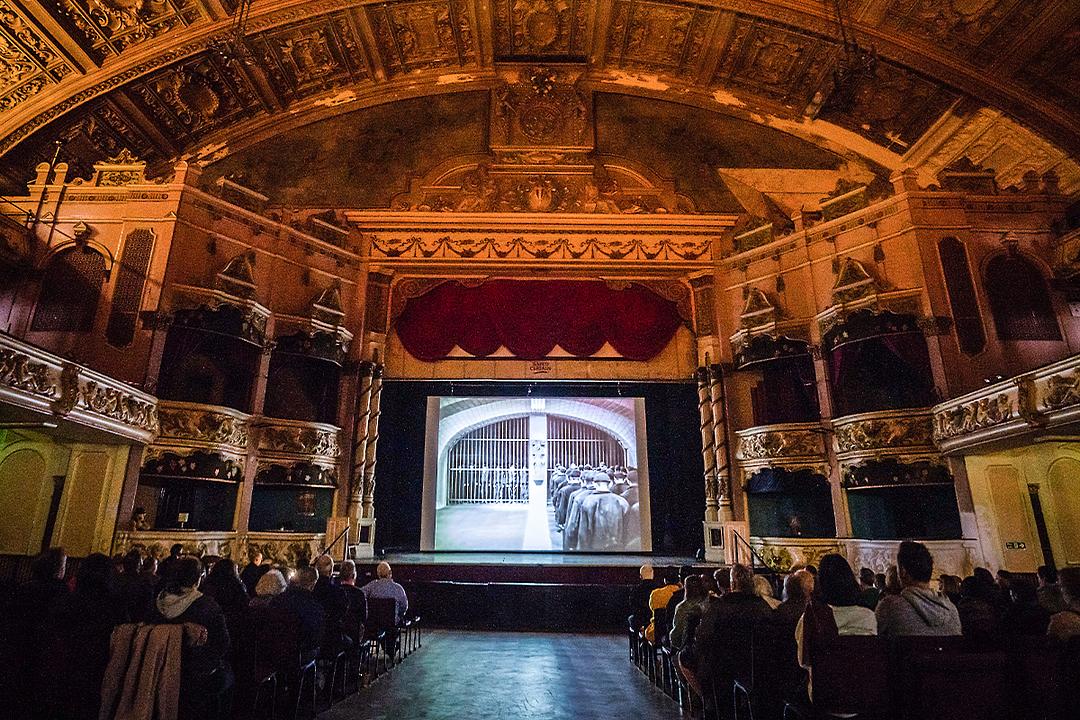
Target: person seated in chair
384,587
204,670
299,600
335,605
358,605
917,610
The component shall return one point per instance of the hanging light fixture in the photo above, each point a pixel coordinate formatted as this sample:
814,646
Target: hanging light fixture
856,65
232,46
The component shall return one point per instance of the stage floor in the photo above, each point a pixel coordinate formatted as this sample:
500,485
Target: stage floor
540,559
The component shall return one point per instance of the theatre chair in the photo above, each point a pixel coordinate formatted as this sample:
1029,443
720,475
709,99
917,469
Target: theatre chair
775,675
254,671
277,632
949,685
850,676
382,618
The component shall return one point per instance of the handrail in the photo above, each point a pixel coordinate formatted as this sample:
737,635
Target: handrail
753,553
326,550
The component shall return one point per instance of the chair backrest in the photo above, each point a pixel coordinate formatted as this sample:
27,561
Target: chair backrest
949,685
774,664
850,674
382,614
277,634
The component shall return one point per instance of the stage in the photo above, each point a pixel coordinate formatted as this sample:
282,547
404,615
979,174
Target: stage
560,592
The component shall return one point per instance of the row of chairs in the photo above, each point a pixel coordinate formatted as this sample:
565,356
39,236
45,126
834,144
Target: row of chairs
872,677
272,667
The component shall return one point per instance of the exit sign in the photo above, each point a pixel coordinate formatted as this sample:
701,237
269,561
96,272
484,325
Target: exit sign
1016,545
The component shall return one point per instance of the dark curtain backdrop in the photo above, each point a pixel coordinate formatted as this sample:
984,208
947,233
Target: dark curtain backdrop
885,372
676,486
531,317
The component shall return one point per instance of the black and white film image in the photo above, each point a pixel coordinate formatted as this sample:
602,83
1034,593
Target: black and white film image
541,474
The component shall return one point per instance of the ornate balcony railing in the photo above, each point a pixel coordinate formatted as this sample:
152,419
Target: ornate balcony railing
888,433
781,445
1043,400
36,380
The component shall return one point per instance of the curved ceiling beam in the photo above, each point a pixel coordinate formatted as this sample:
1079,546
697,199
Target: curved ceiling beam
991,86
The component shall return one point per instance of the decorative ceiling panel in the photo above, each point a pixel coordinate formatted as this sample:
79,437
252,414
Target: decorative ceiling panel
1055,71
313,56
973,29
108,27
893,108
28,61
658,36
195,97
423,34
541,28
779,62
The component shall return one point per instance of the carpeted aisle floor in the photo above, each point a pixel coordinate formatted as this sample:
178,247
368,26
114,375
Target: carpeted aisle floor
461,675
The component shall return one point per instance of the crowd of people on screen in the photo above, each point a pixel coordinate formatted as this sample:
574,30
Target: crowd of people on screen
704,618
596,508
66,637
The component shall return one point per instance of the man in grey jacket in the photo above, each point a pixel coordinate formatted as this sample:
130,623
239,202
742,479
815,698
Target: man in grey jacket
917,610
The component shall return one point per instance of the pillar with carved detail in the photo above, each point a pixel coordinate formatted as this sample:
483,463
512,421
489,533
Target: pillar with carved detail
368,499
720,442
708,453
360,430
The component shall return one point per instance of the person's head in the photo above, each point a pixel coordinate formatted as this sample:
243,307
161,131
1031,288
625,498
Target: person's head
256,557
742,579
1069,579
1022,590
835,583
866,577
176,549
132,562
271,583
1048,575
95,574
383,572
695,589
49,565
709,583
305,578
149,565
892,580
184,574
224,569
347,574
762,587
325,565
798,586
723,580
949,584
879,581
1004,577
686,571
646,572
983,575
915,564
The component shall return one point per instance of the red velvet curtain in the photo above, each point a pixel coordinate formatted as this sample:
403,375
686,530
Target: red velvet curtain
531,317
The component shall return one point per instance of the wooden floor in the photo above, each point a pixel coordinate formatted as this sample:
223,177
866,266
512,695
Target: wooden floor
461,675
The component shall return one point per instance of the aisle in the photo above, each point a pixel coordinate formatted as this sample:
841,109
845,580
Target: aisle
511,676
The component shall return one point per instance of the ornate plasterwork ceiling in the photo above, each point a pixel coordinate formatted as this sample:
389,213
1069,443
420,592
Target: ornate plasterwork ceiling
107,75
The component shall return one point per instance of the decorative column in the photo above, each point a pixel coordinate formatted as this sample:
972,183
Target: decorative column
720,442
368,498
708,453
360,429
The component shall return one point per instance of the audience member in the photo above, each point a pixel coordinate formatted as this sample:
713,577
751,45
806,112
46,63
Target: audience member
978,616
723,580
917,610
205,673
358,609
949,586
75,649
892,582
764,590
383,586
868,593
879,584
658,603
1024,615
335,605
253,571
136,593
1066,624
270,585
640,612
833,611
299,600
687,613
1049,592
149,571
224,585
798,587
174,554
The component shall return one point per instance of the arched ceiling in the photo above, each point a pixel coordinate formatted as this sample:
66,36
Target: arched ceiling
144,75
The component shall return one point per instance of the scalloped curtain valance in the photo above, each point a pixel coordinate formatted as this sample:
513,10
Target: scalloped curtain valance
530,317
